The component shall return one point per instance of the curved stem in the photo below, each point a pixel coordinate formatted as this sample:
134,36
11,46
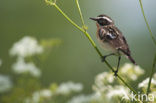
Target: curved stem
154,40
149,29
151,75
73,23
79,28
93,44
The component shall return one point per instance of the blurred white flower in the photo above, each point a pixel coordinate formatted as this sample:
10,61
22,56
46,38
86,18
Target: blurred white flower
105,77
0,62
35,97
79,99
83,99
46,93
131,71
68,87
5,83
144,83
104,87
39,95
118,91
103,81
22,67
153,93
27,46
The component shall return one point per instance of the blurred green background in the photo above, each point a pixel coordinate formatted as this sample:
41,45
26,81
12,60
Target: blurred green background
75,59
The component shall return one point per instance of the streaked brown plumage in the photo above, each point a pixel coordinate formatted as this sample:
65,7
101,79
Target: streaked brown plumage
111,38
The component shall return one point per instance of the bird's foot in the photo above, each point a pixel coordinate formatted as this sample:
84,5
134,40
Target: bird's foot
116,73
103,58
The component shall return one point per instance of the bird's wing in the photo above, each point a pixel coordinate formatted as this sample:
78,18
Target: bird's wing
118,40
110,34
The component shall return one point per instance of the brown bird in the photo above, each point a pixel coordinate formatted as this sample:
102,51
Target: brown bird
111,39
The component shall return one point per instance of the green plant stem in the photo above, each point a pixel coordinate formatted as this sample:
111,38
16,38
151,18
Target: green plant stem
154,40
93,44
73,23
151,75
79,28
127,84
78,6
149,29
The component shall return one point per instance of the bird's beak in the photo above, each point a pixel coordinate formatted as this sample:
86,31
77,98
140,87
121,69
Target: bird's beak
95,19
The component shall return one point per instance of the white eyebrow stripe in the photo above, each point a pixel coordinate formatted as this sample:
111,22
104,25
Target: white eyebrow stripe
106,18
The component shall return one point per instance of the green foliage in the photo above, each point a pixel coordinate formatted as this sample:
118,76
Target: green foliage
27,87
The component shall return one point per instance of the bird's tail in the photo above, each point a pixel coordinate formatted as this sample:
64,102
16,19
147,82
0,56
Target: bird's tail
128,56
131,59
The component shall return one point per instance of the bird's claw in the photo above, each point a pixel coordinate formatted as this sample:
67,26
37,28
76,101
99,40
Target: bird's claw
115,73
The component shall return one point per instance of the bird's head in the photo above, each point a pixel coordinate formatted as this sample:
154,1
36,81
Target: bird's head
103,20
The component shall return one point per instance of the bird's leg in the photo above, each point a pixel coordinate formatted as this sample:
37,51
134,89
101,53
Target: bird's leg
104,57
116,71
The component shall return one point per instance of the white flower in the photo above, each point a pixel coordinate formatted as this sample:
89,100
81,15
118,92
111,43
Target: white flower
27,46
104,78
66,88
153,93
39,95
119,91
131,71
21,67
83,99
36,97
5,83
144,83
0,62
126,68
46,93
103,81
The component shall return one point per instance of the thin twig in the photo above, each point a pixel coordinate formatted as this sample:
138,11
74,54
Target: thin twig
79,28
78,6
154,40
93,44
149,29
151,75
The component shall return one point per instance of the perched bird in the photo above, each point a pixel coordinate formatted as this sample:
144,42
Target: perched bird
111,39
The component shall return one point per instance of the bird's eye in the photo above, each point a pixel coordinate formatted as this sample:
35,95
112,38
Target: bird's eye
103,22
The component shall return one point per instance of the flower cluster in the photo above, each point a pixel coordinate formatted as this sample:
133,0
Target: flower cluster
22,67
118,91
144,83
54,90
38,96
68,87
110,89
131,72
84,99
27,46
106,86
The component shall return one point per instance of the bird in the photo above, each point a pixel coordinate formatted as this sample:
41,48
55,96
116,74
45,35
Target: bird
111,39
